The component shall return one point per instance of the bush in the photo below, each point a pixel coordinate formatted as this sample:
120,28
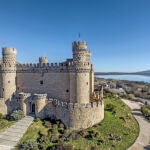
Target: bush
17,114
1,115
29,145
37,119
146,111
110,107
47,124
68,147
3,123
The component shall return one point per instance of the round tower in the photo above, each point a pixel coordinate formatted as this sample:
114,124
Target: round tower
82,69
40,102
8,69
23,103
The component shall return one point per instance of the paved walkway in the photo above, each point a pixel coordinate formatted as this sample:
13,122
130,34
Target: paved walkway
11,136
143,140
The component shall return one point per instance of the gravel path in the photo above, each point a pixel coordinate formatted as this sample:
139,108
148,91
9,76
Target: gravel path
143,140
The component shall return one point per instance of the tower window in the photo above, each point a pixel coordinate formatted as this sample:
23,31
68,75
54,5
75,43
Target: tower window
8,81
67,90
87,83
41,82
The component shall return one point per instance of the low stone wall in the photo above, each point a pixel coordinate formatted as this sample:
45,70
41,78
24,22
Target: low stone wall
76,116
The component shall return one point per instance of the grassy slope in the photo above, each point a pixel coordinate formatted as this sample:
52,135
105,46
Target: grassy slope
127,130
32,132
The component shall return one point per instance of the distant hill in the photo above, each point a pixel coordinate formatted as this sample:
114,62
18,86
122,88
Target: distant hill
146,73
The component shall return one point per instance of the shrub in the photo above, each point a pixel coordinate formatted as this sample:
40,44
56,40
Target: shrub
68,147
36,119
29,145
47,124
54,138
146,111
1,115
93,148
17,114
61,125
3,123
110,107
44,140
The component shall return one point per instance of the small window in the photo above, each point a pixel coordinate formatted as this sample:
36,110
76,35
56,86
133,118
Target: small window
41,82
87,83
8,81
67,90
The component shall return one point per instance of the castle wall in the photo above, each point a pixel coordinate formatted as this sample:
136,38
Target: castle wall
8,106
73,85
76,116
54,84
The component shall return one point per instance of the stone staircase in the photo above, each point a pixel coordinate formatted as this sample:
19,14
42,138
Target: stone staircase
11,136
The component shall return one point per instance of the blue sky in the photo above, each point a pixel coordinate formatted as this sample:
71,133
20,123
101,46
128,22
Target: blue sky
117,31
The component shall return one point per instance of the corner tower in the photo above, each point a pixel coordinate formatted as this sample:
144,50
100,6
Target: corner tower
8,72
83,69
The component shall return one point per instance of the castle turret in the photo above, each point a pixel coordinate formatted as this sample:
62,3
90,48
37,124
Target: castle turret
8,69
23,102
82,68
40,102
43,60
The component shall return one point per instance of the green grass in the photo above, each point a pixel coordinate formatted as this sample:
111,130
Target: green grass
128,130
5,123
121,124
33,130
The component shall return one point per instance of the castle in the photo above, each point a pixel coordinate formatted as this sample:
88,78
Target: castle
61,90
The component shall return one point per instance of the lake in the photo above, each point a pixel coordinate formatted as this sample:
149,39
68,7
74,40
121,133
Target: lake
126,77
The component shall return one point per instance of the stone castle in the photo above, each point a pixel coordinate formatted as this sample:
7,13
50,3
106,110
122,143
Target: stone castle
61,90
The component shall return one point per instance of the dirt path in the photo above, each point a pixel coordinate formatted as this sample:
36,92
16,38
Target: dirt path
143,140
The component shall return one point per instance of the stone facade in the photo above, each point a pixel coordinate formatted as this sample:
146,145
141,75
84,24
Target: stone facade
62,90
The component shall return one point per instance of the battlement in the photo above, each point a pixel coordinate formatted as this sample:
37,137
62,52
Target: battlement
9,51
43,60
51,67
40,96
79,45
23,95
38,65
67,105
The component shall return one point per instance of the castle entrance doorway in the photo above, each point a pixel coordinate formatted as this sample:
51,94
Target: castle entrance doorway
33,108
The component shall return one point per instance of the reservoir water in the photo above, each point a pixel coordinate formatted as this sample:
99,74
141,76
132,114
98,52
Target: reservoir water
126,77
